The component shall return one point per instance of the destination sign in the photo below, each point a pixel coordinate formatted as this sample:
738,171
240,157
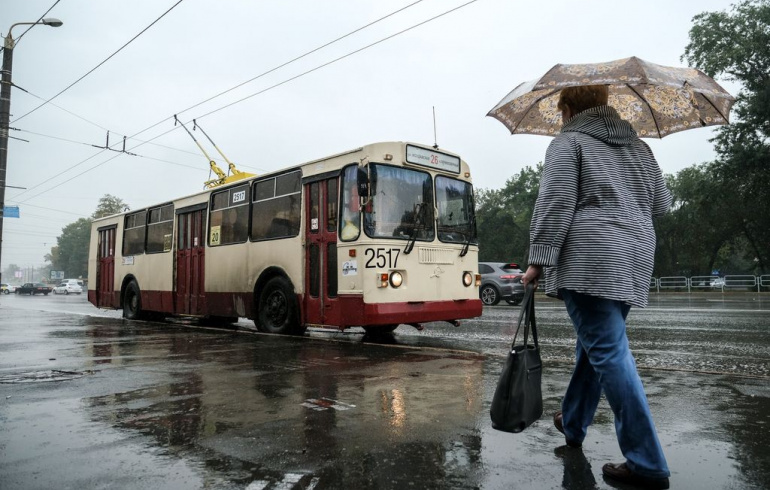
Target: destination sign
432,159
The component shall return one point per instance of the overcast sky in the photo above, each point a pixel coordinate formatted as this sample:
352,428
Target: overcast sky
462,63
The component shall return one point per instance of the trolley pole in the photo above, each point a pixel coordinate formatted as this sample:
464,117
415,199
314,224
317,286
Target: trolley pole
5,115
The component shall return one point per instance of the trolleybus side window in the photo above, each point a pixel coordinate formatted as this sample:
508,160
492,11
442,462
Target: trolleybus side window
350,224
229,221
276,210
401,204
454,200
331,205
160,228
134,233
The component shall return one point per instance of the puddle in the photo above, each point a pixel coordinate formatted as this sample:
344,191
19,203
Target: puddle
43,376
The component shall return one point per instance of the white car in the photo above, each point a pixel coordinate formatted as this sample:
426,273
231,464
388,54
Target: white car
67,288
7,288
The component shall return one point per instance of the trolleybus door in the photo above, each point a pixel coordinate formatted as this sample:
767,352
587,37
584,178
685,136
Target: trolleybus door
190,260
320,304
105,268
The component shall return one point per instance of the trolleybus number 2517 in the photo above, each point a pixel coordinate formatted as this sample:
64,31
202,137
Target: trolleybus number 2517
382,258
281,249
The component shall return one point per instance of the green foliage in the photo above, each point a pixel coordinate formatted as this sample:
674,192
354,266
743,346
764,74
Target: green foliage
736,45
503,216
699,226
109,205
71,251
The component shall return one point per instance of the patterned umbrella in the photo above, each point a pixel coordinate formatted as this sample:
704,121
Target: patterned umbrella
657,100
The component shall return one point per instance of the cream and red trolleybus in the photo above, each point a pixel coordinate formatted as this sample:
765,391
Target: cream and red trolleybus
375,237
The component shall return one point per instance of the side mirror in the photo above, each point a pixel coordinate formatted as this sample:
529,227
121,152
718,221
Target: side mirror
363,183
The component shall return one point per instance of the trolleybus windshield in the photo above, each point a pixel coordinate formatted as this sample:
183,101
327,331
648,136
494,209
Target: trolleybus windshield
454,200
401,204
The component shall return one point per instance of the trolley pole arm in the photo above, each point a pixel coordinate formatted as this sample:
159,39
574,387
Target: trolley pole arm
230,165
212,163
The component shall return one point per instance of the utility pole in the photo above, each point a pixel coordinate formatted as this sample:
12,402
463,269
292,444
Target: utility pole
5,114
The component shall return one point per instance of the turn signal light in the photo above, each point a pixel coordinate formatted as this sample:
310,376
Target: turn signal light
478,280
382,280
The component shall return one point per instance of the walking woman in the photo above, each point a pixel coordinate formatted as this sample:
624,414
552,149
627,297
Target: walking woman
593,235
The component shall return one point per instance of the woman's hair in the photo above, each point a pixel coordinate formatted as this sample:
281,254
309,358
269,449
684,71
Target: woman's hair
583,97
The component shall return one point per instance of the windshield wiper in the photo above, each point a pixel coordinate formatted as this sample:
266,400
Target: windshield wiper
417,226
467,243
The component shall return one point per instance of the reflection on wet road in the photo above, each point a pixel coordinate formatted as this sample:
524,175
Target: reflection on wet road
98,402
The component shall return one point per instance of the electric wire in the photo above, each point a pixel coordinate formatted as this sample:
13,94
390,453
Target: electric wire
356,51
199,103
31,26
100,64
282,65
92,123
67,140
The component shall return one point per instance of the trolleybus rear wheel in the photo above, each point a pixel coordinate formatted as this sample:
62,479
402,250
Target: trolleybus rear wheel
278,309
132,302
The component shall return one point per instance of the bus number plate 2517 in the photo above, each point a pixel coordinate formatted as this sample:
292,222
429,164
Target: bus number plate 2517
381,258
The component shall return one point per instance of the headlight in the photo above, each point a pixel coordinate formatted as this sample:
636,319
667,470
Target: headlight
467,279
396,279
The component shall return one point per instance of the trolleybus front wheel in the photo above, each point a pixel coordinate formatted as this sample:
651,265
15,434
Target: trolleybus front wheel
132,302
278,309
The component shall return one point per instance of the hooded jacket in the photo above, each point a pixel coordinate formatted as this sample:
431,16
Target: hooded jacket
592,225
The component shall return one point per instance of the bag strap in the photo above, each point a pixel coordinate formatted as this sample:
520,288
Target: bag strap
527,314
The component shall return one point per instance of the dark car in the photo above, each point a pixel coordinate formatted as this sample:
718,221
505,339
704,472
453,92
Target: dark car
500,280
32,288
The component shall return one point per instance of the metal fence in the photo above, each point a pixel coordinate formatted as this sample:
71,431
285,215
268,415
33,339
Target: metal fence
705,283
711,283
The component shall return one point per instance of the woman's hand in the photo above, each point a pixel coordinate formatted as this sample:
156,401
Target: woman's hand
532,275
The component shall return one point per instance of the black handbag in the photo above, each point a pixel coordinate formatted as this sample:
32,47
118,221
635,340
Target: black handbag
518,400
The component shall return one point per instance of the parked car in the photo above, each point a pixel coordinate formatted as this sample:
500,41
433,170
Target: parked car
33,288
718,283
7,288
500,280
67,288
72,281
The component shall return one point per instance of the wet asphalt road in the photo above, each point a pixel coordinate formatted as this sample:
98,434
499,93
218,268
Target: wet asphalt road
88,400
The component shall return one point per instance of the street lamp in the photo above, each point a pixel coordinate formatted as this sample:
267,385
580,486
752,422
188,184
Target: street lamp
5,113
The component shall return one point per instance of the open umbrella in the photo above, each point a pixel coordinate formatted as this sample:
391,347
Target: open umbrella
657,100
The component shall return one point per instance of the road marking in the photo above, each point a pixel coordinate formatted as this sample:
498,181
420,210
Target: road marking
321,404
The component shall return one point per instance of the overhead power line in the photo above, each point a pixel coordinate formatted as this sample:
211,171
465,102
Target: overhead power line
356,51
100,64
31,26
189,108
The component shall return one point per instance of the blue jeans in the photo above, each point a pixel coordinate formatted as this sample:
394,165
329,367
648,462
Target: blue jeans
604,363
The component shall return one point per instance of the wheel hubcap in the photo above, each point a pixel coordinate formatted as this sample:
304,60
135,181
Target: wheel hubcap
276,308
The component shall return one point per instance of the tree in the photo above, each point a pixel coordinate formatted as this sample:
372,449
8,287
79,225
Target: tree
699,226
9,274
109,205
71,255
736,45
71,251
503,217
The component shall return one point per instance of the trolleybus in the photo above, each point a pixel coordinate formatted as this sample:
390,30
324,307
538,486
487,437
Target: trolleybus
374,237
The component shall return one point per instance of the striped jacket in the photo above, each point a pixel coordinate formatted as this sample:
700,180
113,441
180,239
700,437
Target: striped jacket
592,224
